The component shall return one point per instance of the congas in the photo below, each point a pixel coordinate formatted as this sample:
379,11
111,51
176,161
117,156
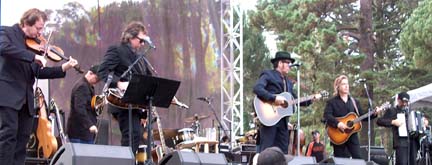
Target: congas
184,135
416,123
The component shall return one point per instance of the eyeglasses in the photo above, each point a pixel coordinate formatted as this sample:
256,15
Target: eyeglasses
141,40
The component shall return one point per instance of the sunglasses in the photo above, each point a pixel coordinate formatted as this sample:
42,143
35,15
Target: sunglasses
141,40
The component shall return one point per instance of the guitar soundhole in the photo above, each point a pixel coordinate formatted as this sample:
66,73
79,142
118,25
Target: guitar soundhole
350,124
285,104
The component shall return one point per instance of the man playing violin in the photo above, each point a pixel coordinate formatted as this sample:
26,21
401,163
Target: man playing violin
18,69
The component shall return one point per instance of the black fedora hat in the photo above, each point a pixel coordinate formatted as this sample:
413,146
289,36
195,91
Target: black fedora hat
282,55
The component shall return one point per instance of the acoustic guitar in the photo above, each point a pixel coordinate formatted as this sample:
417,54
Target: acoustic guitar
47,143
269,113
339,137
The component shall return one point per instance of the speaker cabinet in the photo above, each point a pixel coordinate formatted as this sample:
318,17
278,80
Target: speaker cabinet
302,160
91,154
192,158
344,161
377,154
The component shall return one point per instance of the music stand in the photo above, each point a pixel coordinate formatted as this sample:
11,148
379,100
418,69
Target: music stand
149,91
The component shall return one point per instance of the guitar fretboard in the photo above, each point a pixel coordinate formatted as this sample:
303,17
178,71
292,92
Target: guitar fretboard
301,99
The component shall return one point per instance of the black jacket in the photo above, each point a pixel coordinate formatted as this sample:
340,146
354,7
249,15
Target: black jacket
271,83
336,107
117,60
82,116
385,121
18,71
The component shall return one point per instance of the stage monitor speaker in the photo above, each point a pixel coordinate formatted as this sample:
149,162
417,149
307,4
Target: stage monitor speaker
377,154
192,158
92,154
302,160
344,161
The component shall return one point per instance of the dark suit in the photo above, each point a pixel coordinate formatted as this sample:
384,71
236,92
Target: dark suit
336,107
117,59
82,116
17,76
400,144
270,83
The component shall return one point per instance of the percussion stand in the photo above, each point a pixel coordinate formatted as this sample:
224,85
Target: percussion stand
369,119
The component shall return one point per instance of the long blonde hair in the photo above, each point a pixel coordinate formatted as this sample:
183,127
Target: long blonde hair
337,82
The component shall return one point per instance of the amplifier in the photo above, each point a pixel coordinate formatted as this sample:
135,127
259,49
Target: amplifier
248,148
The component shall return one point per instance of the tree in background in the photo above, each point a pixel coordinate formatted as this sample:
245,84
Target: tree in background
357,38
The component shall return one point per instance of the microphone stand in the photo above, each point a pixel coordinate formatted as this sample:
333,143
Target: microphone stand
149,116
369,123
298,109
217,119
407,112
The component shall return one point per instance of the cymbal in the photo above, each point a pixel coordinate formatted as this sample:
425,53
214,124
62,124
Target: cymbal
195,118
167,133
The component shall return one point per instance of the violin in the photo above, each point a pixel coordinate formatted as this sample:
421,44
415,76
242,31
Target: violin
53,52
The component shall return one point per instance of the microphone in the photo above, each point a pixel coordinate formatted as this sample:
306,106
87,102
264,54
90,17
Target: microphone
149,42
361,80
109,79
205,99
295,65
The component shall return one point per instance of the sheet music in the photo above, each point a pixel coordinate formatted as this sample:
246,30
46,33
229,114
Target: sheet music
403,132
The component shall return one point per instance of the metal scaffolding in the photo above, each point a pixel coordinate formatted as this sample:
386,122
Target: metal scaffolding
232,67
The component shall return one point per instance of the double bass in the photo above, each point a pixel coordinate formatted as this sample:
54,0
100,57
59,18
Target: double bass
47,143
292,146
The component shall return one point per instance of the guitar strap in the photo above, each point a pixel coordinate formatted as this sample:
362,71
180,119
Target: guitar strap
354,104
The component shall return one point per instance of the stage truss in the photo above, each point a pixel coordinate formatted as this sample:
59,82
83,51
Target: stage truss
231,61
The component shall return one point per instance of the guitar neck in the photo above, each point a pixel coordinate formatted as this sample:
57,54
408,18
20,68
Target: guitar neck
383,106
301,99
159,125
363,117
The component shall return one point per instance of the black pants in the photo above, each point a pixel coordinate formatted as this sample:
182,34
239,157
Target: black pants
122,116
276,135
350,148
15,129
403,157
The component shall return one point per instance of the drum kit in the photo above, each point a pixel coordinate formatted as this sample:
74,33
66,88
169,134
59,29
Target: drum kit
174,137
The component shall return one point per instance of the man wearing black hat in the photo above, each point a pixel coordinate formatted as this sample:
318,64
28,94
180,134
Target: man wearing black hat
406,149
269,84
81,126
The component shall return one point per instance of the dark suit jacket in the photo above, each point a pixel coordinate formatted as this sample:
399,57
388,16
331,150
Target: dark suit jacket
385,121
18,71
117,60
336,107
82,116
270,83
